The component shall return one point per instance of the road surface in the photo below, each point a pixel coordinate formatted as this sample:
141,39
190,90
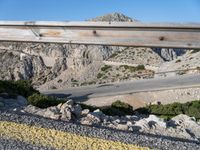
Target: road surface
127,87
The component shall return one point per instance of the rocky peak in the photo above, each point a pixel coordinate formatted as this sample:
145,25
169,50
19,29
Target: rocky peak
113,17
169,54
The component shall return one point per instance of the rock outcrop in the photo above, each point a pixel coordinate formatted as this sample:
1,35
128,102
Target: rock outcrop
113,17
169,54
180,126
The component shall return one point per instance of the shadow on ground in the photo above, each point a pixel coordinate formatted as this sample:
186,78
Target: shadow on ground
82,98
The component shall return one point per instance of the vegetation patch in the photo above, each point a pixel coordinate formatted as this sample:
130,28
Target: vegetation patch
73,80
114,55
195,51
106,67
177,61
14,88
117,108
43,101
100,75
191,109
132,68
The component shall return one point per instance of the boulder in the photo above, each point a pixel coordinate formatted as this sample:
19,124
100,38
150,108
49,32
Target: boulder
66,114
59,106
186,122
70,102
64,106
122,127
91,119
52,112
129,123
151,122
98,113
158,121
84,112
117,121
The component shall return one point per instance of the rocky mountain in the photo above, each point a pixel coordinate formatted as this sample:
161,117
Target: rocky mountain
59,65
44,62
169,54
113,17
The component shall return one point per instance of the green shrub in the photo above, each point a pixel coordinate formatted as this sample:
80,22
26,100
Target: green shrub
43,101
21,87
105,68
132,68
117,108
190,108
121,106
140,67
195,51
111,111
170,109
113,55
90,107
73,80
177,61
99,75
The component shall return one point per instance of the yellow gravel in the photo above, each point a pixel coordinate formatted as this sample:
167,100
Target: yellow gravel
58,139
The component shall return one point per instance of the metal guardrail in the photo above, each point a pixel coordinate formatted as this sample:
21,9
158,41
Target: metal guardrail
103,33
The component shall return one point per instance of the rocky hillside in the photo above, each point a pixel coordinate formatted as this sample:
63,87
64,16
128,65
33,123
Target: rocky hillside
51,66
45,62
113,17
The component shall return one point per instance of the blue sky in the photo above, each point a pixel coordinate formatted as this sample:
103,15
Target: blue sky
75,10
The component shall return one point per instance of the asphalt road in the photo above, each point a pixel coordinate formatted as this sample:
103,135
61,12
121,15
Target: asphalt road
127,87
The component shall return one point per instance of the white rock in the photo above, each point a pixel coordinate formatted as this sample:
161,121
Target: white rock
64,106
122,127
66,114
186,122
91,119
85,112
151,122
52,112
159,121
129,123
117,121
59,106
70,102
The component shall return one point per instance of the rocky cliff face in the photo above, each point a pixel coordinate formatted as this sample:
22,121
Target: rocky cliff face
44,62
169,54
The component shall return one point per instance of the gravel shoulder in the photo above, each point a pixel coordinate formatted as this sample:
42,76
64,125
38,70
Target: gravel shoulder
141,139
